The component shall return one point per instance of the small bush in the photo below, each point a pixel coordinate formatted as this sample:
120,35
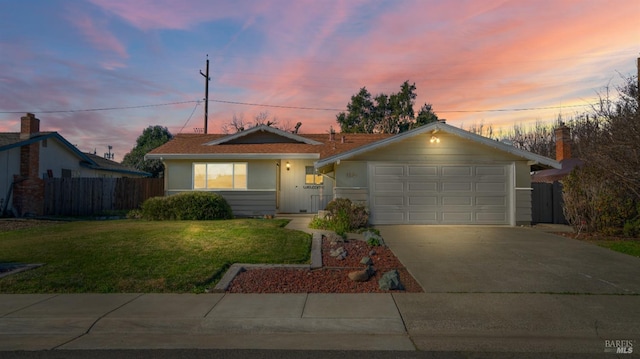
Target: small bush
343,216
187,206
631,229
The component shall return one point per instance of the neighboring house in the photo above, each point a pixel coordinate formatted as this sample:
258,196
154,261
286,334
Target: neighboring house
434,174
563,156
547,200
29,156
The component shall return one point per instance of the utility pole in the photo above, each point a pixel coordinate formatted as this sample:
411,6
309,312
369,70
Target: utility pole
206,95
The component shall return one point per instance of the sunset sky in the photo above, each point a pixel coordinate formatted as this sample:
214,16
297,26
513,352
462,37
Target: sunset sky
100,71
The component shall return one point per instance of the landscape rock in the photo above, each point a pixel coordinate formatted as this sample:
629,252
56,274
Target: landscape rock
359,276
372,252
337,252
366,261
390,281
362,275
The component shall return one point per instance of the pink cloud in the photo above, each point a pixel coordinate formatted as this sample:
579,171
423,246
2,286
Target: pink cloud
96,33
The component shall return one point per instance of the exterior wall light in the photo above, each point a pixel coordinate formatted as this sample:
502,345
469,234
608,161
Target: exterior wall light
434,139
288,166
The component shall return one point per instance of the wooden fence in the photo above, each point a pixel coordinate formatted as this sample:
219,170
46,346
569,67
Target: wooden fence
547,203
94,196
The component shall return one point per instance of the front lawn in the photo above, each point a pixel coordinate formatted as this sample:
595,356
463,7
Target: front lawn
627,246
143,256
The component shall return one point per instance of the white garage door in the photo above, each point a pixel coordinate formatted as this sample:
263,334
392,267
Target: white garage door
439,194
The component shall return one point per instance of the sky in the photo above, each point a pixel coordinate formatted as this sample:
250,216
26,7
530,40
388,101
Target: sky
101,71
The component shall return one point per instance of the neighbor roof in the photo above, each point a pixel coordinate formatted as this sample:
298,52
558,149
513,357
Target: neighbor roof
9,140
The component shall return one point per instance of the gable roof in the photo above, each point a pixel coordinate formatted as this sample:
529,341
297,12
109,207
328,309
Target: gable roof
434,127
9,140
263,128
220,146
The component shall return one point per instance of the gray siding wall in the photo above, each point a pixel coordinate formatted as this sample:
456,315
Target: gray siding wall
247,203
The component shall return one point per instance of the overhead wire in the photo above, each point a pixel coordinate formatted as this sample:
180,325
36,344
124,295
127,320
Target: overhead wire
197,102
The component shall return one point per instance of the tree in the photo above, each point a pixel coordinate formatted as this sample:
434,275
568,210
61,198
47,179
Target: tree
385,113
238,123
359,115
152,137
604,195
425,115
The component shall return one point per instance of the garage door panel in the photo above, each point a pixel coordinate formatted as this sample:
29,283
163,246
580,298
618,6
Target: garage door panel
422,200
457,217
422,186
457,201
457,187
423,171
389,171
389,201
423,217
456,171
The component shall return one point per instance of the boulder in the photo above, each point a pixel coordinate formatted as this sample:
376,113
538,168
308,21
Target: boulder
362,275
337,252
359,275
366,261
390,281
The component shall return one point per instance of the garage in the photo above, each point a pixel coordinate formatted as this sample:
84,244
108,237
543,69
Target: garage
418,193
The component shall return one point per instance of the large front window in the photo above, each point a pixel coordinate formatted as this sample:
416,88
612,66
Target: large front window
219,176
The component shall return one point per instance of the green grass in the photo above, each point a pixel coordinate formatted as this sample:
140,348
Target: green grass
627,246
141,257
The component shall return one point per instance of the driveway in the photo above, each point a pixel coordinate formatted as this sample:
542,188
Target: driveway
449,259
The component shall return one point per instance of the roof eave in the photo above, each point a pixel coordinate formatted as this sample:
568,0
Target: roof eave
230,156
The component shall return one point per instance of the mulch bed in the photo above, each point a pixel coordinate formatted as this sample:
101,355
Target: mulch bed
331,278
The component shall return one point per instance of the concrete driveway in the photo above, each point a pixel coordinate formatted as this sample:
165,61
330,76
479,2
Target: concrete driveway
449,259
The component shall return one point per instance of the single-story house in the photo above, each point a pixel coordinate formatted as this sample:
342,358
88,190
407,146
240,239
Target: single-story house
29,156
434,174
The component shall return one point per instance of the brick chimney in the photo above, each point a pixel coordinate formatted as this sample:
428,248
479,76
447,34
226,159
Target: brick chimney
29,126
563,143
28,190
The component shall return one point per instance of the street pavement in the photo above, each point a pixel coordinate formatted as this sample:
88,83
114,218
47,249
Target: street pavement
513,290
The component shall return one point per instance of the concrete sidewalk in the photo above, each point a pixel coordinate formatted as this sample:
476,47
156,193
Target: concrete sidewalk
492,322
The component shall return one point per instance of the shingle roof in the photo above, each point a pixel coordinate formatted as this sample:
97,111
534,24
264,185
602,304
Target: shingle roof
101,163
187,144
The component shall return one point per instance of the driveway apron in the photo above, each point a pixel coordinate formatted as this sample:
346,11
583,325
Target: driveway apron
468,259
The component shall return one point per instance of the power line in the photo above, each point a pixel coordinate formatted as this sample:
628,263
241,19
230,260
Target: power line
189,119
104,108
285,107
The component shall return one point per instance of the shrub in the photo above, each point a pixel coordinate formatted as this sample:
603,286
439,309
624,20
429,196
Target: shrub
187,206
596,203
343,216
